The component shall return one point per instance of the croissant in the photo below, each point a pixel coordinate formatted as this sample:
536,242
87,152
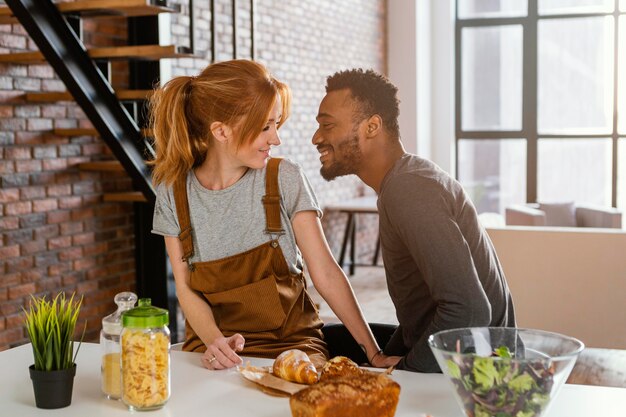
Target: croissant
294,365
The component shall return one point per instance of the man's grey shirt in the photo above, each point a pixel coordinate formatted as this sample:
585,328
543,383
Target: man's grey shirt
442,269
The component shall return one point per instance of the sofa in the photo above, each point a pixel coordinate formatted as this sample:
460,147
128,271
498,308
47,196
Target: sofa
567,280
563,215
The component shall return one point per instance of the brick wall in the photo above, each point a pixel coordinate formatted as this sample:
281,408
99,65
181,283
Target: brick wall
301,42
58,234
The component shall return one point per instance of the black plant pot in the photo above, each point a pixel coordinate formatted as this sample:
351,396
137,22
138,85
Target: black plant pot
53,389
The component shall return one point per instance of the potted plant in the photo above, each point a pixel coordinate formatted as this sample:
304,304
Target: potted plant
50,326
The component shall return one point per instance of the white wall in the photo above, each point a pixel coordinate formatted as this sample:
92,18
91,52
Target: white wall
402,50
442,100
420,63
567,280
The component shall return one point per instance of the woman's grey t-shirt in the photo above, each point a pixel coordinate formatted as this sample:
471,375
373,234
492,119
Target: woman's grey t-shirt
231,221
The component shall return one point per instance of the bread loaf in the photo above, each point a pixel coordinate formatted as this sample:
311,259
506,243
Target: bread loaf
365,394
294,365
339,367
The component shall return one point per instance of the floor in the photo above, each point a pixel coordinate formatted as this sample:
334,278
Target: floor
594,366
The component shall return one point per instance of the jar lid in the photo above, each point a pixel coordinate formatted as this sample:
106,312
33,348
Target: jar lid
112,324
145,315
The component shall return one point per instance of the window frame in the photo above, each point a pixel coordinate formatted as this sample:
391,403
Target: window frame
529,130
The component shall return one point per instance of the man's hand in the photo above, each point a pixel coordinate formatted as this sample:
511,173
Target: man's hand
383,361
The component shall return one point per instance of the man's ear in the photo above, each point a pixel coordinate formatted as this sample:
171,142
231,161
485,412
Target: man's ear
374,126
221,132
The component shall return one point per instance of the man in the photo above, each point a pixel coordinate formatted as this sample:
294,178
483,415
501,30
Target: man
442,270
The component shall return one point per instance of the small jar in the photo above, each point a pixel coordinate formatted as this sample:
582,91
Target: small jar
110,346
145,357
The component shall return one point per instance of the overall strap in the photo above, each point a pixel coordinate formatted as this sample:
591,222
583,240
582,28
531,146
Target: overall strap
182,211
271,199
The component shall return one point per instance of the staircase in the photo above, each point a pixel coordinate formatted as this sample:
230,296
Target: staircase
118,117
101,8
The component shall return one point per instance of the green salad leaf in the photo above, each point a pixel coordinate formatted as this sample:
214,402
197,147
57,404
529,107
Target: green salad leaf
453,368
485,373
503,352
500,385
522,383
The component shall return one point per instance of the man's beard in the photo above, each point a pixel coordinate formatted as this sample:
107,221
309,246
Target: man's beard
347,157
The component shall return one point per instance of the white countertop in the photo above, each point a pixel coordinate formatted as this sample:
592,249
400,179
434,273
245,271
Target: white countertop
199,392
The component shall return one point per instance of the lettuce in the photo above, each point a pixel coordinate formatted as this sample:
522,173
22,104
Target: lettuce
500,385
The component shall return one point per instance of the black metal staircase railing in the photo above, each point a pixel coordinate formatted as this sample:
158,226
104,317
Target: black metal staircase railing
64,51
67,55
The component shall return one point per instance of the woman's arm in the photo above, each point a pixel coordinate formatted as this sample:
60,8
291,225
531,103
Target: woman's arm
200,316
331,282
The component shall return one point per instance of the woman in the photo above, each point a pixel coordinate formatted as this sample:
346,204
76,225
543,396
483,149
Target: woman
235,225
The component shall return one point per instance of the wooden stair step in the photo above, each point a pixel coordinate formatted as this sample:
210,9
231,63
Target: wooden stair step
52,96
137,52
130,196
112,165
126,8
87,131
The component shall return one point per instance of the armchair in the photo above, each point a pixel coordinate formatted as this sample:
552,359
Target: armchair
563,214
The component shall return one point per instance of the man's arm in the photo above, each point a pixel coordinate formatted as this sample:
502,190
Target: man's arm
424,221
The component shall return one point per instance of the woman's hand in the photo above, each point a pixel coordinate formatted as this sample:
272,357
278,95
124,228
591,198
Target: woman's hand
381,360
221,353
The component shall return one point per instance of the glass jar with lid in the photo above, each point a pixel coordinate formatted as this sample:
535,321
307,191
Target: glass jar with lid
110,345
145,344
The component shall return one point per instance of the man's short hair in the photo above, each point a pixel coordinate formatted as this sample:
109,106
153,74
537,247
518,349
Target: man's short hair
374,93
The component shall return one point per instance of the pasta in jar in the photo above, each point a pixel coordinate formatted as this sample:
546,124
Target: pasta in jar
145,366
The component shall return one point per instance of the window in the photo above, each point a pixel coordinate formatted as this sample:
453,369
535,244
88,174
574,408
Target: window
541,101
492,96
500,178
575,75
575,170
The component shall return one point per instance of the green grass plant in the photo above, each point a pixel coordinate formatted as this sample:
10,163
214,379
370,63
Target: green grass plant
50,326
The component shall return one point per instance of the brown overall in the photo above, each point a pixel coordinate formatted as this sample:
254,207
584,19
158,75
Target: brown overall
254,293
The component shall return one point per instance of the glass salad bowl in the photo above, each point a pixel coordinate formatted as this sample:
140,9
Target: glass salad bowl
505,372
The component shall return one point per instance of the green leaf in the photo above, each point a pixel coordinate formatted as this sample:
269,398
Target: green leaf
503,352
505,371
48,354
522,413
467,382
479,411
540,399
522,383
485,373
453,368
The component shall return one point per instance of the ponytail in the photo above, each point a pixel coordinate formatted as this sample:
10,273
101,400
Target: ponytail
178,144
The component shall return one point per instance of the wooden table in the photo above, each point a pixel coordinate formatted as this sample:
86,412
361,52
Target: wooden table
199,392
352,207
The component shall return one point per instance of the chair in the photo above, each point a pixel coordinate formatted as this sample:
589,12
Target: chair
563,215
